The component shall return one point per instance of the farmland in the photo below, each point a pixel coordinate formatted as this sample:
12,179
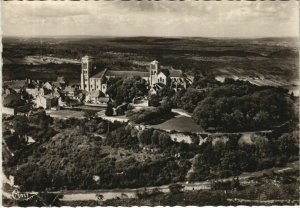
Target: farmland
267,60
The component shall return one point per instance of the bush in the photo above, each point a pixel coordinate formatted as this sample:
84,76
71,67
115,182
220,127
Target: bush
154,100
109,111
148,114
175,188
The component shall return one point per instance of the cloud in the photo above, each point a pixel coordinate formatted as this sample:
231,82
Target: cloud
123,18
37,10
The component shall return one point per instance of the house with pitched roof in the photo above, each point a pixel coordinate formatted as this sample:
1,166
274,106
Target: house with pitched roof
46,101
16,85
97,98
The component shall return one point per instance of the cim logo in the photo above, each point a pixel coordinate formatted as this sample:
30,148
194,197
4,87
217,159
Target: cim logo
22,196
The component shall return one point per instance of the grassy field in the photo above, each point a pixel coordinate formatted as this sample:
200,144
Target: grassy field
180,124
66,114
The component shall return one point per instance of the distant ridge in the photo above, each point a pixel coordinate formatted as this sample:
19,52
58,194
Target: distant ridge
175,37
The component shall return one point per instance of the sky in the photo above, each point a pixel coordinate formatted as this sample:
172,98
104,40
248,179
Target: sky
163,18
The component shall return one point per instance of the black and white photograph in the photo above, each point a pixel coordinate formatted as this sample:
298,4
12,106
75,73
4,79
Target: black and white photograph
150,103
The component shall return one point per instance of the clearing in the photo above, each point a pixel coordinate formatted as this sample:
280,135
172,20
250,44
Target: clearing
180,124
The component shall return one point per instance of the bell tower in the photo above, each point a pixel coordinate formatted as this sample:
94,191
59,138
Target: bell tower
154,67
86,72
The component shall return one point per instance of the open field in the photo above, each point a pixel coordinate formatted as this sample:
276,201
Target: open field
64,114
38,60
180,124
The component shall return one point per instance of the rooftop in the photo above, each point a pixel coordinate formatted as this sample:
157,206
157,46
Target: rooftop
87,57
57,84
99,74
176,73
104,99
49,96
15,84
127,73
96,94
154,62
69,89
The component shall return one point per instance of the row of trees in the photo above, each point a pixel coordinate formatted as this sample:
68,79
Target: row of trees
89,125
130,138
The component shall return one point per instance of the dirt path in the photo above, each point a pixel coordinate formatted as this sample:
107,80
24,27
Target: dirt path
104,194
265,202
191,170
131,193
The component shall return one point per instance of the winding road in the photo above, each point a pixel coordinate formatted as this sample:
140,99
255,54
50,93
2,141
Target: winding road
104,194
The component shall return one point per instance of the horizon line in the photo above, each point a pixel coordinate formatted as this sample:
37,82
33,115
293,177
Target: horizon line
145,36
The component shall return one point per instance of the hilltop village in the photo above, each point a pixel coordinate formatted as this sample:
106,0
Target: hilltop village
21,95
153,128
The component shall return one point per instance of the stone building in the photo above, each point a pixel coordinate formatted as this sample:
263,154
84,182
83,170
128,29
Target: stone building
154,77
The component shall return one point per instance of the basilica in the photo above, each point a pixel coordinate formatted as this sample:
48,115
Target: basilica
155,76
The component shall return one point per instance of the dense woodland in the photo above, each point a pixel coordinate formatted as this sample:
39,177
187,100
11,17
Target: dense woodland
239,106
71,152
230,158
231,106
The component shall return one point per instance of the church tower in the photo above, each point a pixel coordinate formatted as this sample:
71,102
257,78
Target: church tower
154,67
86,72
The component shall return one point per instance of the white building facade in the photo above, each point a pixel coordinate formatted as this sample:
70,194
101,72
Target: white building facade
98,82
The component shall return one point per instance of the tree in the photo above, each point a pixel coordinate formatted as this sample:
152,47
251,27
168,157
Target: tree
261,144
89,114
154,100
124,90
176,99
195,139
175,188
191,98
155,137
262,118
288,144
109,110
202,165
204,113
21,125
230,164
145,136
165,92
164,140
